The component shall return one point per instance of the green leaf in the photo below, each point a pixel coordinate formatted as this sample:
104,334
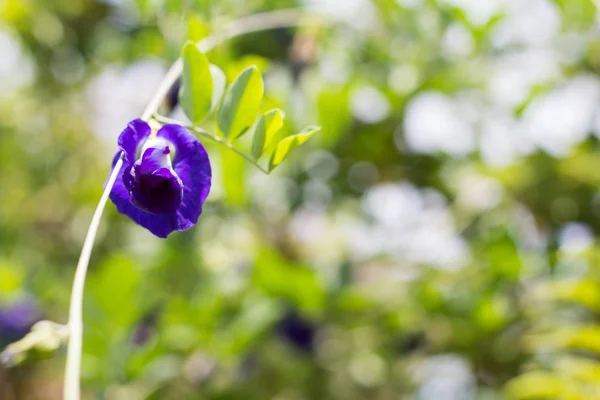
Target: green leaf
288,144
273,122
258,139
241,103
197,84
264,131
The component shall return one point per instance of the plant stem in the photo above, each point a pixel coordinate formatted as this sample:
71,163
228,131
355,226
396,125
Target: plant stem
255,23
75,325
166,120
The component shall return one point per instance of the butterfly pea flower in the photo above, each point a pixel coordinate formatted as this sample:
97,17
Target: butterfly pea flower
165,177
17,319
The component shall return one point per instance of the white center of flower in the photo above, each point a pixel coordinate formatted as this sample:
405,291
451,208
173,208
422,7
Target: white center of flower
158,142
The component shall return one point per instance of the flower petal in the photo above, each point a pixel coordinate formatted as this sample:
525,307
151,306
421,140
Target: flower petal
192,165
129,140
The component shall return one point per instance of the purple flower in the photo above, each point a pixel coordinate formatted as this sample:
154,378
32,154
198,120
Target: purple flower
297,330
165,177
17,319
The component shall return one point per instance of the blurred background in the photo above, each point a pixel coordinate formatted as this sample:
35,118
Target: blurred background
437,241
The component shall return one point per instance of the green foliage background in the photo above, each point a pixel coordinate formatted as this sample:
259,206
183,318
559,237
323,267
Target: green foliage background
377,262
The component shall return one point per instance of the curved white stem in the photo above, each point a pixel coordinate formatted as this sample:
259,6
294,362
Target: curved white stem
72,372
255,23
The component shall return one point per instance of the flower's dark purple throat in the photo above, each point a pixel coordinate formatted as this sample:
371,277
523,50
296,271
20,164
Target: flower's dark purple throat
152,183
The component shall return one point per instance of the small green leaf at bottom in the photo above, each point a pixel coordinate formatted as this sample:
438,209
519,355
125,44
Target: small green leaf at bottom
288,144
264,131
258,139
273,123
